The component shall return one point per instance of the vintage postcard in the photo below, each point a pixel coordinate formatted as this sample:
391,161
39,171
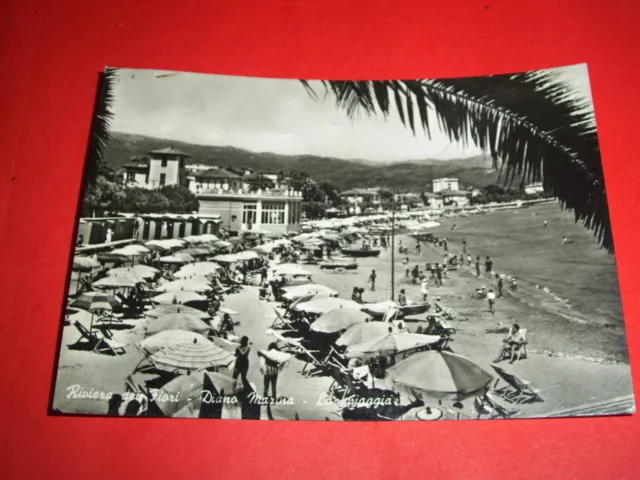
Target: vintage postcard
394,250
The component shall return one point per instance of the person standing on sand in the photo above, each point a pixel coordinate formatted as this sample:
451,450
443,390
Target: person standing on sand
424,284
469,261
270,370
242,361
500,284
355,294
491,298
438,276
445,244
115,402
372,280
407,270
464,244
477,266
418,247
488,266
402,298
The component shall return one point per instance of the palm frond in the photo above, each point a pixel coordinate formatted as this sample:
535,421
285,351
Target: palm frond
532,125
101,128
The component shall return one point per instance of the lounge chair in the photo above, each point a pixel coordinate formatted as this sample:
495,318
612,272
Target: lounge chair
344,384
98,342
515,389
282,323
294,346
446,313
520,346
487,405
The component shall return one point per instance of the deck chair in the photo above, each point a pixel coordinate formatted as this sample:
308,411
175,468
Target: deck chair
521,347
282,323
98,342
489,406
295,347
219,288
344,384
515,390
445,312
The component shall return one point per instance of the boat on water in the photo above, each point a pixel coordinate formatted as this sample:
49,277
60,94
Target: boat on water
360,252
339,265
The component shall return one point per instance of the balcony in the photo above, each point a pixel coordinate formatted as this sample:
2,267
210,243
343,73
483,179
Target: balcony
245,193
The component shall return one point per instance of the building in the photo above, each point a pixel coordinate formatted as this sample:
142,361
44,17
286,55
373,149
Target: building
165,166
434,200
197,167
440,184
534,188
214,179
455,198
242,210
359,195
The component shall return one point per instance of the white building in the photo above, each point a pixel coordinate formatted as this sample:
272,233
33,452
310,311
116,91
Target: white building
434,201
198,167
455,198
358,195
440,184
165,166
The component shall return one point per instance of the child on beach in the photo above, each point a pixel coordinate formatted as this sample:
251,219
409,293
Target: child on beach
402,298
491,298
407,270
372,280
424,289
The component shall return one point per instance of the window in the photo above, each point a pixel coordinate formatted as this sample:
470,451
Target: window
131,177
273,213
249,213
163,179
146,178
182,163
163,161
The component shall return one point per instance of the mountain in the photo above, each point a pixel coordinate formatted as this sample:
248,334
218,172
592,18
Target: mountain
405,175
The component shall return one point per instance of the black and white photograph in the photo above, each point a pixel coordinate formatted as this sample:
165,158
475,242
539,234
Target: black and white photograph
341,250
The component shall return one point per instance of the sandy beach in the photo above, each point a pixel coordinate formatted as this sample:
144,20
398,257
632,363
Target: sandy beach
572,314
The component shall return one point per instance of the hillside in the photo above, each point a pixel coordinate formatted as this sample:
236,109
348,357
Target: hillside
405,176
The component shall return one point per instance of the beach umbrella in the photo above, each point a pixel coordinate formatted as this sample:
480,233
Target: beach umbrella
324,305
131,250
196,251
118,282
223,244
228,310
181,296
141,271
188,357
175,321
166,309
247,255
85,264
94,301
440,375
198,268
338,319
193,285
363,332
184,396
290,269
297,291
390,344
177,258
157,245
170,337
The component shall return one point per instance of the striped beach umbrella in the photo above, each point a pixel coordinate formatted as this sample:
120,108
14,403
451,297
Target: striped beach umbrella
85,264
189,357
440,375
390,344
363,332
92,301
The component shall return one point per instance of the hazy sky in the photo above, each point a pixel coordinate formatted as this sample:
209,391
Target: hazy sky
271,115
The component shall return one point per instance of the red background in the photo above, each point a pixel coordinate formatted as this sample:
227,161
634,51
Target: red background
51,53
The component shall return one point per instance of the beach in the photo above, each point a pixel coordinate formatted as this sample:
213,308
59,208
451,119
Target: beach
567,299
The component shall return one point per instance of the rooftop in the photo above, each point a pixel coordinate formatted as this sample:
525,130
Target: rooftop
361,191
216,173
168,151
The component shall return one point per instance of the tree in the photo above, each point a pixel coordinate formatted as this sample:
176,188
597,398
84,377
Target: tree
331,192
157,202
137,200
529,123
103,196
181,199
314,210
101,128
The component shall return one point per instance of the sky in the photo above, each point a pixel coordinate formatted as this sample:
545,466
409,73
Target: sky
274,115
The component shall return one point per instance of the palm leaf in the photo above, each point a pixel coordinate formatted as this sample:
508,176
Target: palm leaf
101,129
533,125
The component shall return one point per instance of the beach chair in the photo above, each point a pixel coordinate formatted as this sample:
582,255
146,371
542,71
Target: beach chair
489,407
515,390
294,346
446,313
344,384
521,346
98,342
283,323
